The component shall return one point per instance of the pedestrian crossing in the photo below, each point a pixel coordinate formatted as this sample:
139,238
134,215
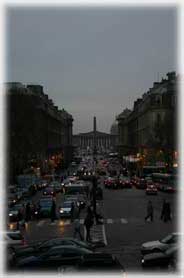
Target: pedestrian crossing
66,222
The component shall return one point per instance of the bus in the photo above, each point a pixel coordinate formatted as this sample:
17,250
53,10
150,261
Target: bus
165,182
149,170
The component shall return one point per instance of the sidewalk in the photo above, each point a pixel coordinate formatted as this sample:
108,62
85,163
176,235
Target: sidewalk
98,230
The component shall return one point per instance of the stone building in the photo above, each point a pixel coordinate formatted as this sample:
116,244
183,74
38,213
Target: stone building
151,124
95,141
39,134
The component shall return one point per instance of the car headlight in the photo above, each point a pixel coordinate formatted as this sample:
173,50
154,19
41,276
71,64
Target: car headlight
142,261
10,214
61,211
82,203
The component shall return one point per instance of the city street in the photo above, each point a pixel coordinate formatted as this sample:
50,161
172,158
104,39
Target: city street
124,228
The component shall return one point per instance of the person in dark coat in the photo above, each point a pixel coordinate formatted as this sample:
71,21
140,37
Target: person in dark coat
28,212
72,211
88,222
162,217
53,211
149,211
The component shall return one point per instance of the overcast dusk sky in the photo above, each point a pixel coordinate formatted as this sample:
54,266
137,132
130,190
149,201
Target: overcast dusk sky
91,61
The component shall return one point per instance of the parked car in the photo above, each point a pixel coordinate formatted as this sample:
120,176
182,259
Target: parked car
95,262
53,258
14,238
43,246
160,245
160,259
151,189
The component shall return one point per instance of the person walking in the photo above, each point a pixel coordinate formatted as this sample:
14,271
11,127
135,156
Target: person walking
28,212
88,222
77,230
162,217
149,211
166,211
53,211
72,211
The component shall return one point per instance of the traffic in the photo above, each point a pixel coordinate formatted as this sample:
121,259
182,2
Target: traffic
71,197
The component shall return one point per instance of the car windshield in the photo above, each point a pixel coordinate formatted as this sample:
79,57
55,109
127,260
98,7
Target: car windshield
15,236
67,205
166,239
45,203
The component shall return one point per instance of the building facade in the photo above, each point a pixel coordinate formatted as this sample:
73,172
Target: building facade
39,134
152,123
85,141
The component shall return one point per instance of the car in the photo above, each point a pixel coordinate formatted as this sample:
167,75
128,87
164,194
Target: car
160,245
12,199
111,182
168,188
48,191
151,189
53,258
160,259
125,182
13,212
45,205
95,262
56,186
65,209
14,238
43,246
141,184
42,184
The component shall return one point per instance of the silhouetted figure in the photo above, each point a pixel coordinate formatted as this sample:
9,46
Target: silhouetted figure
77,230
72,211
53,211
28,212
163,210
166,211
149,211
88,222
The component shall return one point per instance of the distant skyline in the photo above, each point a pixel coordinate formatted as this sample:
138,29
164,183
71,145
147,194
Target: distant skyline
91,61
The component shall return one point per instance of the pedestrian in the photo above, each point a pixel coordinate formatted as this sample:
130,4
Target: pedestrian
77,230
162,217
166,211
53,211
72,211
28,212
167,215
149,211
88,222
